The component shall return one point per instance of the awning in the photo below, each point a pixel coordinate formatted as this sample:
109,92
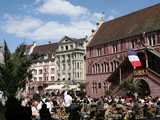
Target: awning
54,87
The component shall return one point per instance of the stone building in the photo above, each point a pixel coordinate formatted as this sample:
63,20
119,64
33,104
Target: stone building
107,64
44,68
70,60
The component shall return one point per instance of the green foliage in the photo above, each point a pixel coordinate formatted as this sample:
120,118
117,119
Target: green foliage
82,86
108,92
139,86
14,71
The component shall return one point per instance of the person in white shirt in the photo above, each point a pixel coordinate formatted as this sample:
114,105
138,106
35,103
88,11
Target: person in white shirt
67,101
35,112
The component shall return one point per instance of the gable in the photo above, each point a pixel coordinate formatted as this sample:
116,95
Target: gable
65,40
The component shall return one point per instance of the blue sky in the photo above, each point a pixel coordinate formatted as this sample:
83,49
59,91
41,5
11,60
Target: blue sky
49,20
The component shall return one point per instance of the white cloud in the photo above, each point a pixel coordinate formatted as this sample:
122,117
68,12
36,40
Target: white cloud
81,22
110,17
21,27
35,29
61,7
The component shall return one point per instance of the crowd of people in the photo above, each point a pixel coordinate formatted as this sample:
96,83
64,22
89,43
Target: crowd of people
70,106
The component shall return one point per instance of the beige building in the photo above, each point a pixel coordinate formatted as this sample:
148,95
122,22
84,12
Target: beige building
43,70
70,60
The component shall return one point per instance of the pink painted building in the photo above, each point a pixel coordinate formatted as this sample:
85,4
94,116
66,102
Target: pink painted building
106,53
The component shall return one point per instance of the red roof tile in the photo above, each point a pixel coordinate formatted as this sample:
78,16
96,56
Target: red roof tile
145,20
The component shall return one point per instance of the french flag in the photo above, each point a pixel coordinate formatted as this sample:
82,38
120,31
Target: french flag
134,59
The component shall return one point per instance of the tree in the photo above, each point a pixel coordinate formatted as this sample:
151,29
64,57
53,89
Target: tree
14,71
136,86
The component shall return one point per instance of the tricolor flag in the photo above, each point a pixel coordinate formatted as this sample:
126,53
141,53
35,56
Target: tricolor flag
134,59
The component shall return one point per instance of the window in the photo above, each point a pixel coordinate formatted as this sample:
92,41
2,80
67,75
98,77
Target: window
52,70
111,66
45,78
35,72
99,51
108,69
99,85
40,78
45,70
66,47
151,40
40,71
96,87
104,85
62,48
71,46
132,44
35,79
115,48
102,69
77,74
52,78
77,65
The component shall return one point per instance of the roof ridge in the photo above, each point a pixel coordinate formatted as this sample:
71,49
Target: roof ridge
135,12
135,23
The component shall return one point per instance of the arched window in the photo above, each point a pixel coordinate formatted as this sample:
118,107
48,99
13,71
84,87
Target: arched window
102,68
114,65
111,66
93,69
105,67
98,68
99,85
108,69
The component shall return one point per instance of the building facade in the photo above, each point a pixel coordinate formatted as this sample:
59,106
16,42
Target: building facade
43,70
70,60
106,57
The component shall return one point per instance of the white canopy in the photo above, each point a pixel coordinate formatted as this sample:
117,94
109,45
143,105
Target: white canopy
71,87
54,87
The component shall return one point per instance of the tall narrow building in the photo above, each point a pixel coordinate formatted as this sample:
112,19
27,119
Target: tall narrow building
70,60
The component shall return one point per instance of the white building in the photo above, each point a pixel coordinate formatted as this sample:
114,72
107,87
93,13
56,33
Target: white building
70,60
43,69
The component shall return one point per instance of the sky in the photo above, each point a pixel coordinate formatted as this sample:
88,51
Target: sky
40,21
